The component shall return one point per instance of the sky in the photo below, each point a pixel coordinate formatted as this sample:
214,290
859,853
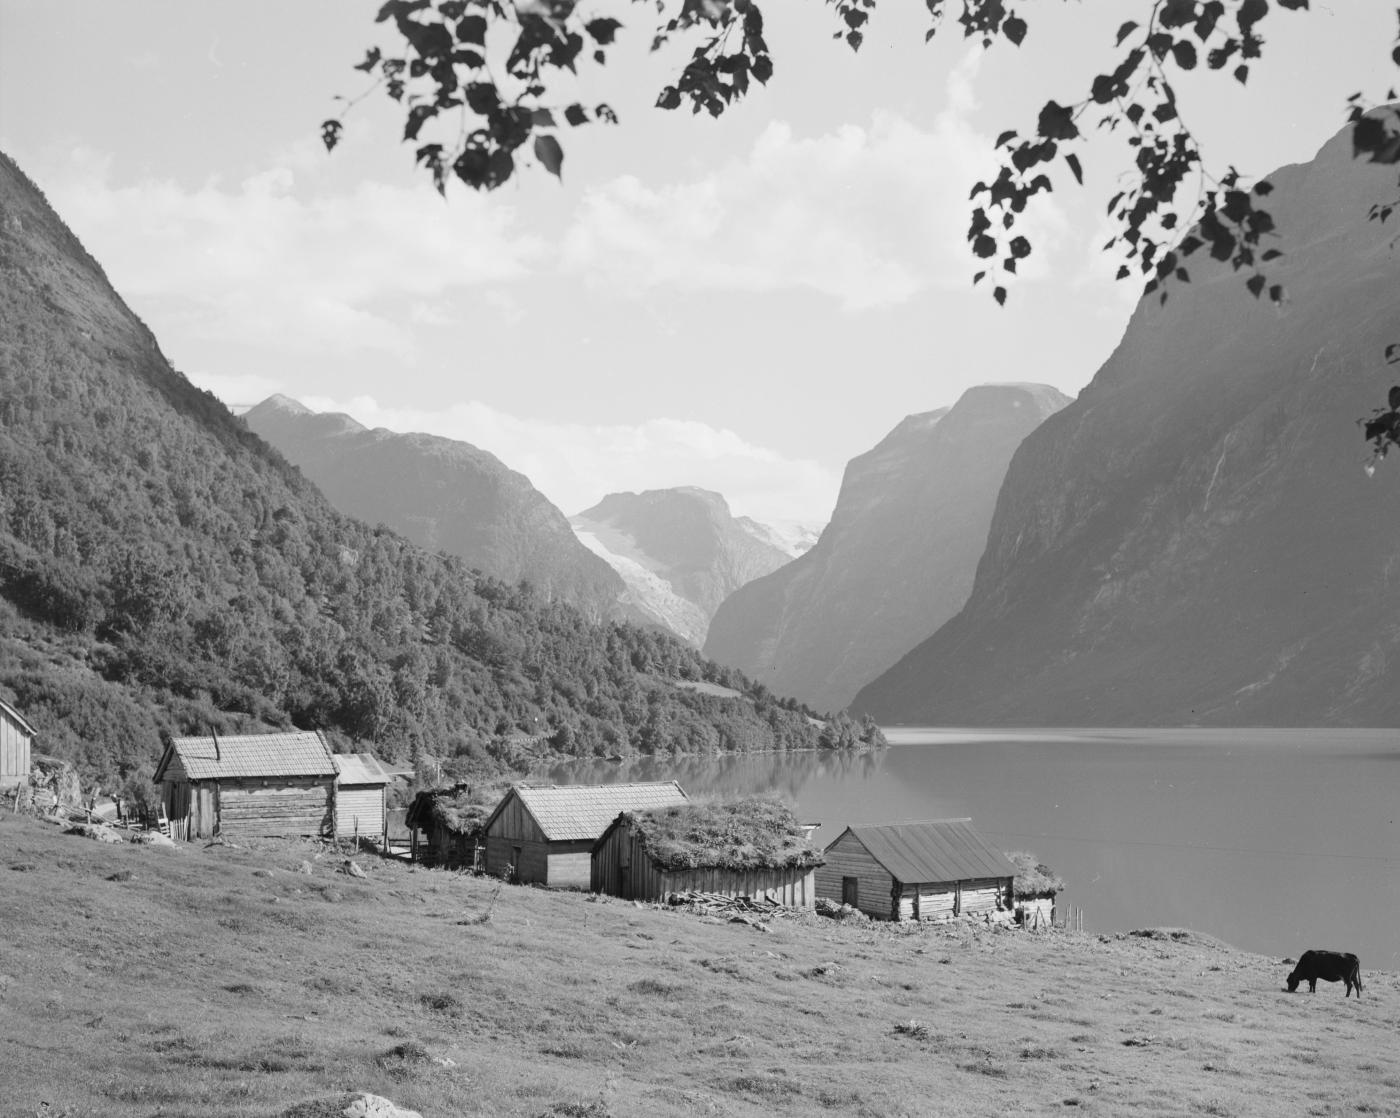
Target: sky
742,304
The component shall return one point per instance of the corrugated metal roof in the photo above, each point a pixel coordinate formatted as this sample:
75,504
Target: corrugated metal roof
296,753
359,768
939,850
583,811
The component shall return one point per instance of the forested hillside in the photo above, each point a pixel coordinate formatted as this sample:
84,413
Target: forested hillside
162,569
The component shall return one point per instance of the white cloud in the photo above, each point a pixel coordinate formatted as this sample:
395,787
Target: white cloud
869,216
575,465
261,262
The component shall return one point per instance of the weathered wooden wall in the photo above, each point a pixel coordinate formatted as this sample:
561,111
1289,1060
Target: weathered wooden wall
359,809
278,806
942,900
847,857
569,864
14,753
622,868
194,803
1036,911
531,864
514,827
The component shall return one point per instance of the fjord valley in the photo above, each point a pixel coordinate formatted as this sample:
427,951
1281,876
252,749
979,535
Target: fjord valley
162,570
896,560
1192,540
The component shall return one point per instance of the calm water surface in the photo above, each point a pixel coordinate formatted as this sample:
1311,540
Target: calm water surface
1274,840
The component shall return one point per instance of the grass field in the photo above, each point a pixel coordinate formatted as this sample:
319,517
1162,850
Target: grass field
222,981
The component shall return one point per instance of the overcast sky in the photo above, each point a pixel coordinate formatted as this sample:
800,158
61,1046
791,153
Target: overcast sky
742,304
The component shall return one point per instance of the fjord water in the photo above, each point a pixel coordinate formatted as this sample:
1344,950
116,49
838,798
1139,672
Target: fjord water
1273,840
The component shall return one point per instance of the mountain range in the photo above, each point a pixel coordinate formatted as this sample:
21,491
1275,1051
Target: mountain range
1194,540
444,495
897,559
680,551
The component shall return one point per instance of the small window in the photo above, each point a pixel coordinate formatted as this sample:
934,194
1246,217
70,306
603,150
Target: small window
850,891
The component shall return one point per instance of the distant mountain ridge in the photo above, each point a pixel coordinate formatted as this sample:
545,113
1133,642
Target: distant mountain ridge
897,559
1193,541
680,551
444,495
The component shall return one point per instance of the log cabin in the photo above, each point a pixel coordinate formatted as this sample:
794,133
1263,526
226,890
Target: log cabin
932,871
16,736
249,785
546,835
752,848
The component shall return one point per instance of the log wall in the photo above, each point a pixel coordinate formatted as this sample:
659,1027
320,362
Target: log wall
282,806
847,857
942,900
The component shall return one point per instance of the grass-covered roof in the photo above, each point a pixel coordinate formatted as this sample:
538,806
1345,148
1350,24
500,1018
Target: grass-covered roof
750,834
461,808
1032,878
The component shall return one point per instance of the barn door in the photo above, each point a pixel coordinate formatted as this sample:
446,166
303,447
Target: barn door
850,891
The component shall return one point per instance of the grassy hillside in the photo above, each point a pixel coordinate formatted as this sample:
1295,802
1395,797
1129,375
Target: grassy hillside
222,981
163,569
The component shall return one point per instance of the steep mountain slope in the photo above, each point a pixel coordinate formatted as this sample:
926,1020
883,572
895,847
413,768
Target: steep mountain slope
897,559
444,495
163,569
680,551
1193,540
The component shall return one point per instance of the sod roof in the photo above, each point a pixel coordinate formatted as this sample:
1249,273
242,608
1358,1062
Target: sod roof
750,834
1032,878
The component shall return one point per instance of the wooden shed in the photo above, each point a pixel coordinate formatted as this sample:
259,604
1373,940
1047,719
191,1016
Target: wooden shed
15,737
450,821
1035,888
752,848
249,785
546,834
360,807
918,871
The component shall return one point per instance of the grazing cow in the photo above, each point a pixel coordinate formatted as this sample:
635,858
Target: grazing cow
1330,966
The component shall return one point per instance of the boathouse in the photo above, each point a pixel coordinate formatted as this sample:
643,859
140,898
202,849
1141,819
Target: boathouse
752,848
15,737
918,871
249,785
545,834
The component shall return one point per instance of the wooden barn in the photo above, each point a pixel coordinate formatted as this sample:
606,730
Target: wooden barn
753,848
361,809
546,834
15,737
918,871
249,785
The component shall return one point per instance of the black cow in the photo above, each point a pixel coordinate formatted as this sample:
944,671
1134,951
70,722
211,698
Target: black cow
1330,966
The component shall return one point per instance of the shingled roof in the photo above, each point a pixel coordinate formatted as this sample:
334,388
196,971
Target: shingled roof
583,811
230,756
939,850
